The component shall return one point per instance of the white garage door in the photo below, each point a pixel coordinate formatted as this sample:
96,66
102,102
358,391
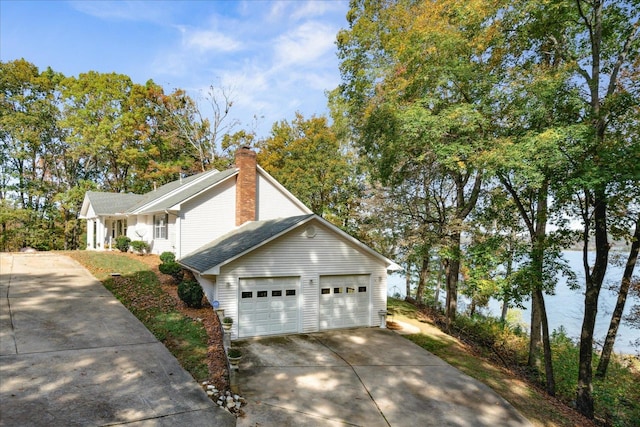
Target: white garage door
344,301
268,306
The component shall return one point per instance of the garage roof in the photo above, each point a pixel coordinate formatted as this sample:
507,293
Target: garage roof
239,241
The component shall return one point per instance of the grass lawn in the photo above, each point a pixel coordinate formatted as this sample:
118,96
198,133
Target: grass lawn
138,288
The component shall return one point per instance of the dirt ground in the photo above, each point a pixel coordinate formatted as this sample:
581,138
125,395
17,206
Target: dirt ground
218,373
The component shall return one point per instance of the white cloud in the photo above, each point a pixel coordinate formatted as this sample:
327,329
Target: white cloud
299,10
313,9
208,40
305,44
121,10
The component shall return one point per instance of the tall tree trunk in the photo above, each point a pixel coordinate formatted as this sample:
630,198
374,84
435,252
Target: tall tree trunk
407,279
601,371
594,279
438,285
505,301
535,336
505,309
424,275
538,312
453,271
550,380
3,238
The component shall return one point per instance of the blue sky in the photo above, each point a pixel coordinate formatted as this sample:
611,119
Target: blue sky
276,57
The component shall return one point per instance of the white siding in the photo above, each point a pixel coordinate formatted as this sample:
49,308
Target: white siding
141,228
91,213
208,287
273,203
294,254
132,224
207,217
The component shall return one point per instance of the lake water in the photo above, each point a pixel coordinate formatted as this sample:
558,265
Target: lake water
566,307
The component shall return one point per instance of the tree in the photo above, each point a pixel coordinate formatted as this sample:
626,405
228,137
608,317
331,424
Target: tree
538,113
585,55
308,159
29,138
109,131
496,250
616,316
417,81
62,136
604,52
204,135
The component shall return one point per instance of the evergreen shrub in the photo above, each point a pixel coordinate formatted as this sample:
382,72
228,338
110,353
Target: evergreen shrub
140,246
167,257
190,293
173,269
122,243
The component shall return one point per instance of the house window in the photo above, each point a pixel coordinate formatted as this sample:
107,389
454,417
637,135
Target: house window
351,290
291,292
362,289
247,294
276,293
160,226
121,227
262,294
325,291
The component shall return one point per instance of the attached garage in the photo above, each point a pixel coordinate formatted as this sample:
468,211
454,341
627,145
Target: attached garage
344,301
292,275
268,306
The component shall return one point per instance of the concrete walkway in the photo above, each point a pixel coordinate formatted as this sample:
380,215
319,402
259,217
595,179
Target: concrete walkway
72,355
360,377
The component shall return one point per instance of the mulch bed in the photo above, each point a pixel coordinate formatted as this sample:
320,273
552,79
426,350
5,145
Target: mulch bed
216,359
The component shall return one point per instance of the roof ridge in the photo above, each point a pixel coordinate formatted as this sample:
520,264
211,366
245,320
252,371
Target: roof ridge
182,186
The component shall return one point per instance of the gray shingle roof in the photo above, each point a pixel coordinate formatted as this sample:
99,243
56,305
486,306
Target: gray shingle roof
239,241
121,203
166,189
184,194
112,203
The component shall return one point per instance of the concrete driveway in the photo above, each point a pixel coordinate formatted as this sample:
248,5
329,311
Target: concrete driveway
360,377
72,355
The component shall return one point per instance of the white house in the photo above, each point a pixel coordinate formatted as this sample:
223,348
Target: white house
269,262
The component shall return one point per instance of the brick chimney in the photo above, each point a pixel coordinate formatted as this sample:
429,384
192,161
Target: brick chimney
246,185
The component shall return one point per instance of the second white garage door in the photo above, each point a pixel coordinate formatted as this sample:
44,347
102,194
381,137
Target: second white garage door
268,306
344,301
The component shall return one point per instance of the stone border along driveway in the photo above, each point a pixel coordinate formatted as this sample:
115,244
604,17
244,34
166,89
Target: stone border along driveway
72,355
366,377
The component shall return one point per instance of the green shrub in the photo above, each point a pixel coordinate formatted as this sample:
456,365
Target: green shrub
565,354
490,333
234,353
122,243
140,246
190,293
167,257
173,269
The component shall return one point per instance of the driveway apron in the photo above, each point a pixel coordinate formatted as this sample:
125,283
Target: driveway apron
72,355
360,377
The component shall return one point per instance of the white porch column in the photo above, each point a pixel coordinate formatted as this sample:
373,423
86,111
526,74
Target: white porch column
178,242
101,234
90,226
